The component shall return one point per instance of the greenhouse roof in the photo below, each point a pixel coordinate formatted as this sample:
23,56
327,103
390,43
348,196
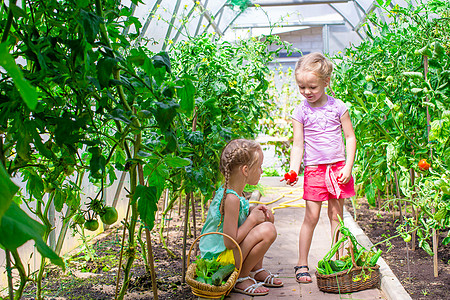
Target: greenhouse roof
168,21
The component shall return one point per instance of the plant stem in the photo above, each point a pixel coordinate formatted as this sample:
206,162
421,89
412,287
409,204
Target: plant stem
131,243
122,245
9,20
392,237
22,274
2,153
152,265
48,228
9,273
150,261
186,221
143,249
133,221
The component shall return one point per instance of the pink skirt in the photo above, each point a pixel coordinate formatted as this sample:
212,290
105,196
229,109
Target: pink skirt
320,183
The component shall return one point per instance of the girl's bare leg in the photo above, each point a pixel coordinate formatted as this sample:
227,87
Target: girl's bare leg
253,248
335,208
312,214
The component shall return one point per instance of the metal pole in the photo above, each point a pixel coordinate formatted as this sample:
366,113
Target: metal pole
169,30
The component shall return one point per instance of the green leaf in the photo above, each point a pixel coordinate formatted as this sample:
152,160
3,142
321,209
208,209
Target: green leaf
186,94
105,67
18,12
414,75
425,246
91,24
147,197
59,200
446,241
26,90
176,162
162,60
391,154
219,87
119,115
370,191
157,174
38,143
7,191
17,228
97,163
440,214
165,112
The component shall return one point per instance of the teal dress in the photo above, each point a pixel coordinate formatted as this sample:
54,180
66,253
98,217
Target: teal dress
212,245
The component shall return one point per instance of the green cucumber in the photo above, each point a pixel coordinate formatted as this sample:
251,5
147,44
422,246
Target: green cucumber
341,265
375,257
221,274
333,266
200,279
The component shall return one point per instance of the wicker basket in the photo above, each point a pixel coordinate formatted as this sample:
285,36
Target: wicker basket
349,281
207,290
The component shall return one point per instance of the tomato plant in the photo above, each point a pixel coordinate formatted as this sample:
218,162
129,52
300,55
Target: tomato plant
109,215
112,107
78,219
91,224
396,85
423,165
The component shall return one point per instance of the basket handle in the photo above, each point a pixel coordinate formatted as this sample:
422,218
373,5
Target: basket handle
225,235
350,245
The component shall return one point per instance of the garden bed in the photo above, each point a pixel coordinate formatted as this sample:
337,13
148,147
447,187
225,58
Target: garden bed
416,274
96,279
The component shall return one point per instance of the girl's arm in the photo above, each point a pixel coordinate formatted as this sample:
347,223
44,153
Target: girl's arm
231,218
350,146
297,147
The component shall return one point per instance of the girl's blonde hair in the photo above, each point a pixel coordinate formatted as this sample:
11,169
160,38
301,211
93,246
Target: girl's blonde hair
239,152
316,63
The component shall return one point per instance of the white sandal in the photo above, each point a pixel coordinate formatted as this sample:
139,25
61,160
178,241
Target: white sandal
269,280
250,290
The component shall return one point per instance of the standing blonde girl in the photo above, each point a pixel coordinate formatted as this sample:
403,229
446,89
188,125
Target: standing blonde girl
318,123
229,212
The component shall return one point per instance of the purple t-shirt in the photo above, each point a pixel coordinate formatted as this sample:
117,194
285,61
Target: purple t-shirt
322,131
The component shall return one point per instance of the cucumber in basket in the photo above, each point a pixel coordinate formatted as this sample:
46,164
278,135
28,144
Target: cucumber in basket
221,274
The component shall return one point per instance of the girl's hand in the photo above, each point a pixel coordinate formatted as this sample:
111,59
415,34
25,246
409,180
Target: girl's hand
344,175
269,215
291,178
258,215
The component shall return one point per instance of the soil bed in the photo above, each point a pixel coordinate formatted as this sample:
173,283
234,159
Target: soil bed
415,273
96,279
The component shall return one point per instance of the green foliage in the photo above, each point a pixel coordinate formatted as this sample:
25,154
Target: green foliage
270,172
396,83
212,272
147,197
27,92
251,188
17,228
86,103
362,256
7,191
241,4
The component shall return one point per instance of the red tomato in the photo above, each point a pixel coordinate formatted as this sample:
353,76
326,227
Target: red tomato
423,165
290,176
